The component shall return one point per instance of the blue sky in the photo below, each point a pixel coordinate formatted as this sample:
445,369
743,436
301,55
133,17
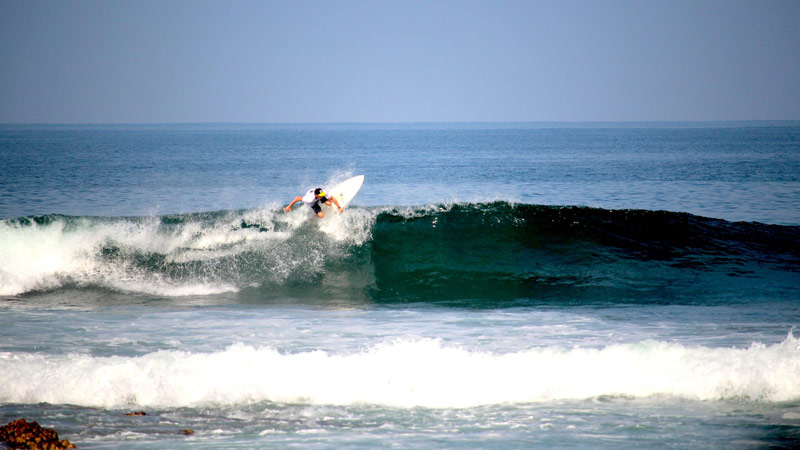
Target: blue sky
398,61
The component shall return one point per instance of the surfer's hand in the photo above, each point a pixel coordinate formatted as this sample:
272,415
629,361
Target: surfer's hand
341,210
288,209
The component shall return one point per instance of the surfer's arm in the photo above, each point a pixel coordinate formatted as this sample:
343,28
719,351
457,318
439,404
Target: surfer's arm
337,204
296,199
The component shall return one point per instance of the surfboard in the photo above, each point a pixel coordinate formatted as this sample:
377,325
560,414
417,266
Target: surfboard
346,190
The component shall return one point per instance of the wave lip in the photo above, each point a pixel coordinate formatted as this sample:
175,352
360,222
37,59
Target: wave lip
406,373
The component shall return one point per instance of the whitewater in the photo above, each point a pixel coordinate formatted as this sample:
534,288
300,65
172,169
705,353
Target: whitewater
405,374
503,286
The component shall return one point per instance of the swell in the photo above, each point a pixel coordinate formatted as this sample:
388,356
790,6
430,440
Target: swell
485,254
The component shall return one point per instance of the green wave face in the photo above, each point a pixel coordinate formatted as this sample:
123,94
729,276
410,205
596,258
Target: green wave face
528,254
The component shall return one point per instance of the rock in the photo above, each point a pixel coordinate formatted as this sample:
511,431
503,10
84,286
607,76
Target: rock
30,435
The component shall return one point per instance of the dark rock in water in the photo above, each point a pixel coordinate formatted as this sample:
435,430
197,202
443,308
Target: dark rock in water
137,413
30,435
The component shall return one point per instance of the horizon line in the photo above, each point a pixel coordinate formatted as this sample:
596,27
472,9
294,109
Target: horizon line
478,122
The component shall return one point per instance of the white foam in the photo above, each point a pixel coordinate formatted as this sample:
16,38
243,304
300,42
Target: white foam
405,374
71,250
40,257
34,257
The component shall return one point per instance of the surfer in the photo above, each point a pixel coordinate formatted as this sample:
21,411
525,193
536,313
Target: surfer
313,198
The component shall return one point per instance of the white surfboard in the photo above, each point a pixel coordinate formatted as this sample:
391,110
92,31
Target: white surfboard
346,190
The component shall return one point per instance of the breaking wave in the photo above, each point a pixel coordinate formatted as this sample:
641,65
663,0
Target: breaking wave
405,373
486,252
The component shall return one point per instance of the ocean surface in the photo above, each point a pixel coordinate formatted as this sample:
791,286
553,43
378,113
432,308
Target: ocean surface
598,285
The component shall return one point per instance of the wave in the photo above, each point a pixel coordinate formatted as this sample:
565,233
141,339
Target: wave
438,253
406,373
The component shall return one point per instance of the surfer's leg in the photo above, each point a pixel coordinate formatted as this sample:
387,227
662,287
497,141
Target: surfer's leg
317,210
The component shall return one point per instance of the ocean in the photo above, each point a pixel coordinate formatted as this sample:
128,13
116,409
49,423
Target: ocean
519,285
